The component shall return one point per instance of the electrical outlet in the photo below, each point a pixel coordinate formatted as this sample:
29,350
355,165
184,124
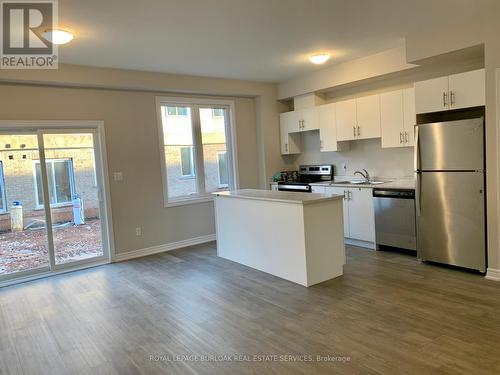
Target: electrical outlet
118,176
138,231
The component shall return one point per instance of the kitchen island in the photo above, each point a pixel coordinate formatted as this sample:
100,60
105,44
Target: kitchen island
296,236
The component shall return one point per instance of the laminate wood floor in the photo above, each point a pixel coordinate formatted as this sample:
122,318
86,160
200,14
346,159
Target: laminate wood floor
161,314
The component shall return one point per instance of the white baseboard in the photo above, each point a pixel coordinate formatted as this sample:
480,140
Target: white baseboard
162,248
359,243
492,274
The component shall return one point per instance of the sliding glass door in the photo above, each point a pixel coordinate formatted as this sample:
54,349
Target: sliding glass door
23,228
74,194
52,202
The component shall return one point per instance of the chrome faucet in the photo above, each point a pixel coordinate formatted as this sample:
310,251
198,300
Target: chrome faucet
365,175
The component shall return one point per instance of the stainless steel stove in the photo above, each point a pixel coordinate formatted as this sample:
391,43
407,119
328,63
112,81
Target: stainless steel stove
308,174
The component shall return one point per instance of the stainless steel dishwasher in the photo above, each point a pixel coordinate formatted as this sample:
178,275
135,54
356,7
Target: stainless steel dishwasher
395,218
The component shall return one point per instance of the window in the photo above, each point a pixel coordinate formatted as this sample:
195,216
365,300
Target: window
60,180
217,112
3,201
176,111
187,163
197,146
222,168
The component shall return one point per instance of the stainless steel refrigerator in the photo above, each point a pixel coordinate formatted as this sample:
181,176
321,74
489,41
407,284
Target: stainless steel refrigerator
450,195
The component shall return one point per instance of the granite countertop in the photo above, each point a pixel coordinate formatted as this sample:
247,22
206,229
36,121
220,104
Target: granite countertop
279,196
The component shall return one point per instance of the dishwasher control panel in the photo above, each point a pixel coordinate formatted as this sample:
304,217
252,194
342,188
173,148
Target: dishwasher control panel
394,193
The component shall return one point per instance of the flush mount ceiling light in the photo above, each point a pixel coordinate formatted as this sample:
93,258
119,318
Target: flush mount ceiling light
58,36
319,58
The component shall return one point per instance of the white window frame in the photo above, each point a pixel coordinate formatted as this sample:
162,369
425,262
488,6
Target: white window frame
231,148
191,172
39,206
218,169
2,187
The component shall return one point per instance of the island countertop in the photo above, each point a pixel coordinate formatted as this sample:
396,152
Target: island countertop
279,196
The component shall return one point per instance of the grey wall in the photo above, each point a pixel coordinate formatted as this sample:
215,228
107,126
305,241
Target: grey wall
132,143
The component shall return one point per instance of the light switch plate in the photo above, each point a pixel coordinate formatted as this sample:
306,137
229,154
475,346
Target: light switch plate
118,176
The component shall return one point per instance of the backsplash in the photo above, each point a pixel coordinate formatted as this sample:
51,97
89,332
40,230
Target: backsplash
367,153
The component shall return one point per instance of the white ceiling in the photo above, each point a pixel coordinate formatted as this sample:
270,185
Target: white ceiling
267,40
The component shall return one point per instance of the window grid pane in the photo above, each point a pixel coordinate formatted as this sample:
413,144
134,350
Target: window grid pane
213,137
223,177
187,161
178,147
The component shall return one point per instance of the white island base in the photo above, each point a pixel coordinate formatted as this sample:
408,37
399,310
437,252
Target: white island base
296,236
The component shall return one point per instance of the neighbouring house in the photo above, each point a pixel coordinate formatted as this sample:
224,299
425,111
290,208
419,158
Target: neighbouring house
70,172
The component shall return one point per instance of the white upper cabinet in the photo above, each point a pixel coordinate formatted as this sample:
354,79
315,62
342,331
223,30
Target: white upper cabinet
358,118
328,129
345,113
291,121
301,120
368,117
410,116
457,91
392,119
467,89
290,139
397,113
431,95
308,119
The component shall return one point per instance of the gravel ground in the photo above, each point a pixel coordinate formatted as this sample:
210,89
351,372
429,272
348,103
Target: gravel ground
27,250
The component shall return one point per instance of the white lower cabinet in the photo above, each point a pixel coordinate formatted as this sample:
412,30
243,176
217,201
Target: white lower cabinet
359,216
344,192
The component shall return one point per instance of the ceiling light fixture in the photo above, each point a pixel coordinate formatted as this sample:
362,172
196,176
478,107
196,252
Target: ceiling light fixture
320,58
58,36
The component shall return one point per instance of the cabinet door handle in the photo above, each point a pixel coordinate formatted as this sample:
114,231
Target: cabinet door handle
354,131
406,137
445,97
286,147
359,131
400,137
452,98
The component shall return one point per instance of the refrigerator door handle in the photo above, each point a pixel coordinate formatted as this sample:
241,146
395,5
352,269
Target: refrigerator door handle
417,150
418,189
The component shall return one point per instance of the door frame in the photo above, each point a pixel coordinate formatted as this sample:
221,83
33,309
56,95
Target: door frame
102,174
